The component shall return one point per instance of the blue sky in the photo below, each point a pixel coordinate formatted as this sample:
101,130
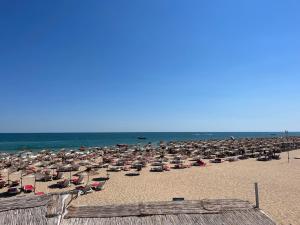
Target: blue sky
159,65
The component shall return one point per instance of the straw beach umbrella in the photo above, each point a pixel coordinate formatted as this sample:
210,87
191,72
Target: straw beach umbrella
53,167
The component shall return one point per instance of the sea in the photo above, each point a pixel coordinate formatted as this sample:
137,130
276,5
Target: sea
15,142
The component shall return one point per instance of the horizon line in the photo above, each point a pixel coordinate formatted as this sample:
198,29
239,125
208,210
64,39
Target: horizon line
63,132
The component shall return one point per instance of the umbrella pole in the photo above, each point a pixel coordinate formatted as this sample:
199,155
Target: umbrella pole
34,183
21,179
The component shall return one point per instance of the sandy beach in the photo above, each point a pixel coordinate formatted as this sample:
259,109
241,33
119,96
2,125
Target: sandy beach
279,185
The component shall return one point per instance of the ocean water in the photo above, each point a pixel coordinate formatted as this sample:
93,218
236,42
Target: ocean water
13,142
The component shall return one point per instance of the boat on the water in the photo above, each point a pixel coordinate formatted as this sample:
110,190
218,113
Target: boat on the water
141,138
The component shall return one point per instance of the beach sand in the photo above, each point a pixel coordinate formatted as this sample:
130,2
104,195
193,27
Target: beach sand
279,186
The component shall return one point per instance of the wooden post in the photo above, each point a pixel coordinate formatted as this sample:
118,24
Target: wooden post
286,137
256,195
21,178
8,177
34,186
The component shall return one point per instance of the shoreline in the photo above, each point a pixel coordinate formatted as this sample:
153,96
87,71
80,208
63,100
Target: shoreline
15,142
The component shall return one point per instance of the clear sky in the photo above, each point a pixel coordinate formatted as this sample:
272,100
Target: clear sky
157,65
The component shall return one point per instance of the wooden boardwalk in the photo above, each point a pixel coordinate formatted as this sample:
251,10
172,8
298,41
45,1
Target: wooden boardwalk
204,212
159,208
50,210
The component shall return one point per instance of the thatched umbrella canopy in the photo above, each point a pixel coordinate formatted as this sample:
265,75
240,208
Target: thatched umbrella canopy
84,163
53,167
68,168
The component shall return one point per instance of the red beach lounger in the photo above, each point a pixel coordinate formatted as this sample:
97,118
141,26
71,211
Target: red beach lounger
28,188
75,179
97,186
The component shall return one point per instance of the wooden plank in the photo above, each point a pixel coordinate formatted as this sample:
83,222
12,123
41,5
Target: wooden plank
240,217
158,208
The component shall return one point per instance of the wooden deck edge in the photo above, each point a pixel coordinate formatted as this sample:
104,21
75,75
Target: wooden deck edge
158,208
267,215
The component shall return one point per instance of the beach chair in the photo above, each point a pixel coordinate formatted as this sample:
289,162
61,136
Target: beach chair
83,190
114,169
126,168
263,158
132,174
63,184
276,156
13,191
217,160
77,180
39,193
58,176
166,168
178,166
97,186
28,188
156,169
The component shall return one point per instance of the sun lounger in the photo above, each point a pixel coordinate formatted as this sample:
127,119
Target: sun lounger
166,168
276,156
263,158
217,160
28,188
199,163
242,157
77,180
131,174
97,186
156,169
83,190
39,193
13,191
114,169
126,168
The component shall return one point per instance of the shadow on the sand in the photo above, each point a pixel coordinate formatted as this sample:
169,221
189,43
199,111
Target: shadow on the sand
101,179
53,186
6,195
